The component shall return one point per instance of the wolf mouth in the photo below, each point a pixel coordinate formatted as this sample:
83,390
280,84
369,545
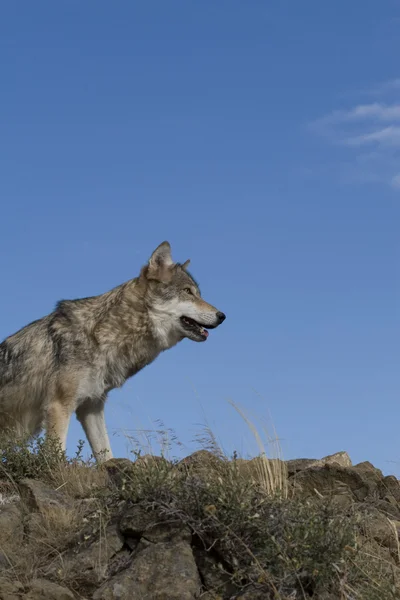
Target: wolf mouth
194,327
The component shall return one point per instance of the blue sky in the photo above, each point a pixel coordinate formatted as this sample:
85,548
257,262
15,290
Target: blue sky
262,140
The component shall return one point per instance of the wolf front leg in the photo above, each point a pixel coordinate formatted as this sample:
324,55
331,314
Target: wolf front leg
91,416
57,420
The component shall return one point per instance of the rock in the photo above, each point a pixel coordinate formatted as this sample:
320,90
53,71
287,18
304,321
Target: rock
388,507
10,590
8,493
119,471
339,458
162,571
200,461
371,476
378,527
11,526
167,531
38,589
369,472
213,575
342,459
135,520
90,561
253,593
39,496
4,562
299,464
342,501
389,487
332,479
120,561
41,589
11,535
372,548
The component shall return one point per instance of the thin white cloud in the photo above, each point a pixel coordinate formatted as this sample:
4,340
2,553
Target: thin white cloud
375,111
380,112
389,136
395,181
371,133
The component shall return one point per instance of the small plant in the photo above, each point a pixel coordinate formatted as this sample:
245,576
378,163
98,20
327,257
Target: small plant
43,458
34,458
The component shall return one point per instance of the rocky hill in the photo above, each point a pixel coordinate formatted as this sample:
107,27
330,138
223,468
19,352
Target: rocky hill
205,527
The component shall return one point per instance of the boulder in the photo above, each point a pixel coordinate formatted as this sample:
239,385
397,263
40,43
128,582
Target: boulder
90,561
342,459
378,527
10,590
162,571
200,462
41,589
39,496
329,479
119,471
11,524
138,522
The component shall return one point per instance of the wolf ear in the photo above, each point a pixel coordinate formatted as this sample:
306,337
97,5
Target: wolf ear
161,257
186,264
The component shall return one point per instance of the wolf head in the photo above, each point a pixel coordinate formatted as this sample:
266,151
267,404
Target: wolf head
174,298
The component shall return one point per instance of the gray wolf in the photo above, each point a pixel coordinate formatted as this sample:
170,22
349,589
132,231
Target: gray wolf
70,359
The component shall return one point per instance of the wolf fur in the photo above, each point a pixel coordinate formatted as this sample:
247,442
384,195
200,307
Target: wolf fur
70,359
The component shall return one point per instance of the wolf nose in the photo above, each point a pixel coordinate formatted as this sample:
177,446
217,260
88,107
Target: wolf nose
221,317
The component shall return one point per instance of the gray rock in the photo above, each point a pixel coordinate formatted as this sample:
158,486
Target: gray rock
162,571
200,462
342,459
39,496
378,527
119,471
11,527
135,520
389,488
332,479
90,561
10,590
213,575
41,589
252,593
11,535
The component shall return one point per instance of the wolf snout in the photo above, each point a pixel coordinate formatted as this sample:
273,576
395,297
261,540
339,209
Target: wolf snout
221,317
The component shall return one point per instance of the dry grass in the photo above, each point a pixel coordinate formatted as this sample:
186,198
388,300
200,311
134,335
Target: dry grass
79,480
272,472
44,535
268,469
